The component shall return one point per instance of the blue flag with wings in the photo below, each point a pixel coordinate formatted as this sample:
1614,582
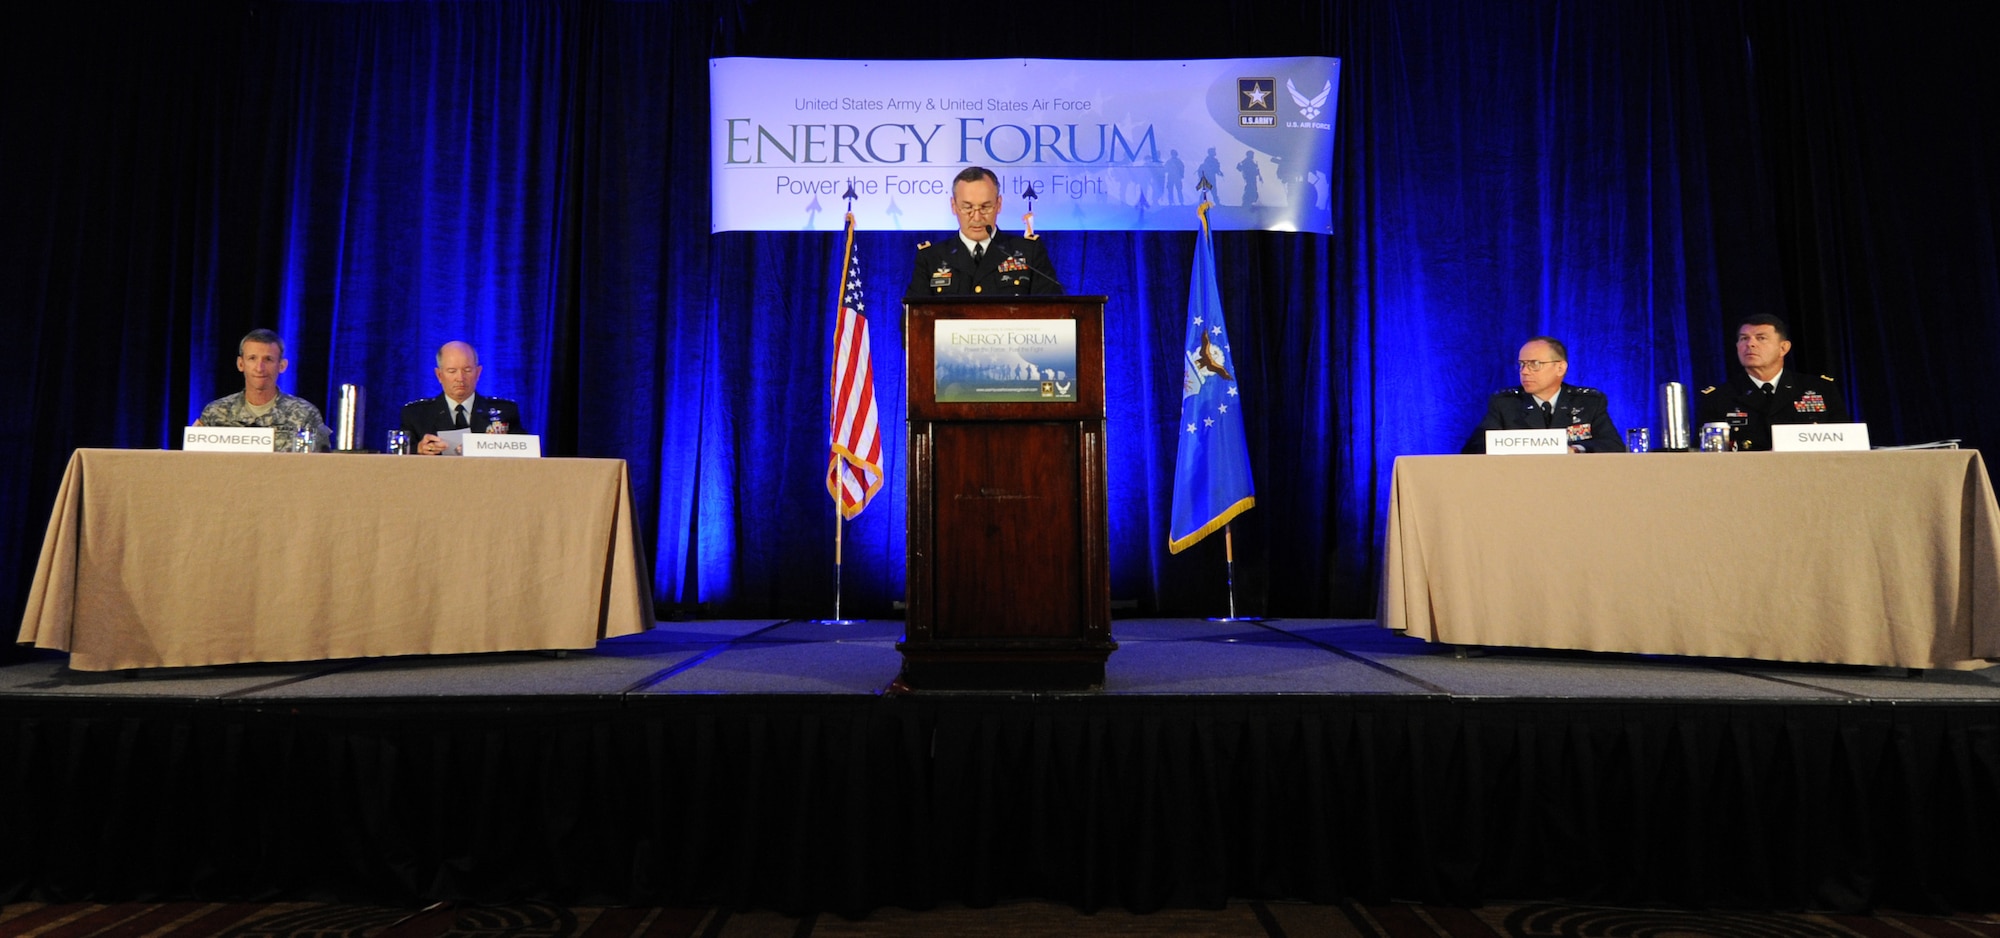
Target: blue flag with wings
1212,466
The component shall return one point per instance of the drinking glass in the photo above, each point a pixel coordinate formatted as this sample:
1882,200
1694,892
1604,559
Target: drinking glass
1715,438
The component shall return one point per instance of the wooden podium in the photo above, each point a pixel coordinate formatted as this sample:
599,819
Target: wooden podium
1009,577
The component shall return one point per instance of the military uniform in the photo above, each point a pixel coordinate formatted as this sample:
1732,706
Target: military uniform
1012,266
1584,412
433,415
1750,412
287,414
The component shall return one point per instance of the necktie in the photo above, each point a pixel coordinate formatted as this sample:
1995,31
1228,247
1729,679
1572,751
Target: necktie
1769,390
1548,413
458,418
978,253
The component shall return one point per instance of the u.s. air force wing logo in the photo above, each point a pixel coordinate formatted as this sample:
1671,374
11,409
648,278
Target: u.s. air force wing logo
1257,102
1309,108
1314,110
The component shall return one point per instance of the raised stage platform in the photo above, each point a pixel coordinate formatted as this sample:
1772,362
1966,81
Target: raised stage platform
761,764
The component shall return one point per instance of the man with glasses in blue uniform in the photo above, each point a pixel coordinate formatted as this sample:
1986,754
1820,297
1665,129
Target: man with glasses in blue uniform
1543,401
979,259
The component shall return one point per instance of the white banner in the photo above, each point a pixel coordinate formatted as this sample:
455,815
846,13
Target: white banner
1103,145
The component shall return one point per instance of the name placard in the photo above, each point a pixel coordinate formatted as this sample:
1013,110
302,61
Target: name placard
1818,437
1551,442
516,445
227,439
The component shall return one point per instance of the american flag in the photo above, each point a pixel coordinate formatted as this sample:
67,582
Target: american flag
854,471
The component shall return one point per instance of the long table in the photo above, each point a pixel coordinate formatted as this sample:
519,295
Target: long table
172,559
1872,558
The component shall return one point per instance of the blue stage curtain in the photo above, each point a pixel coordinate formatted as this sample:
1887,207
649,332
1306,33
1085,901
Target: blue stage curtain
374,178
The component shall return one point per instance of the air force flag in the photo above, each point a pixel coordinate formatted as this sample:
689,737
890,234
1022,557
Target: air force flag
1212,467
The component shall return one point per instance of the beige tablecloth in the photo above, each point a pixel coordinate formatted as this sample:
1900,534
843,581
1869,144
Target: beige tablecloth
1875,558
170,559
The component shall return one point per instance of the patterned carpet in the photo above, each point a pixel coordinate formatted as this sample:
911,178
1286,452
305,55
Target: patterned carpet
1250,919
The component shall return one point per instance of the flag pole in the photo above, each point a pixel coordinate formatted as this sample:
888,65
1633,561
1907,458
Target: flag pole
840,520
839,524
839,509
1228,565
1229,573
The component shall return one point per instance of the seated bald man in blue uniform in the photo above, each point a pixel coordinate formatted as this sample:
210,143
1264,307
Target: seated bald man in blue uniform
459,407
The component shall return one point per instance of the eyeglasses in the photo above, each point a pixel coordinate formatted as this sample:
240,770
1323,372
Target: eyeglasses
1531,366
982,209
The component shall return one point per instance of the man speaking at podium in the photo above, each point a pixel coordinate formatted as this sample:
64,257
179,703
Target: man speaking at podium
979,259
459,407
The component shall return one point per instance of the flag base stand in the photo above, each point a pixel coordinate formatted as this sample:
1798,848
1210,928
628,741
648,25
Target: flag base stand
1229,570
837,621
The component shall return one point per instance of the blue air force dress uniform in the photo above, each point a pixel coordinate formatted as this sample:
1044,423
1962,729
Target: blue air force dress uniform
435,415
1584,412
1012,265
1750,411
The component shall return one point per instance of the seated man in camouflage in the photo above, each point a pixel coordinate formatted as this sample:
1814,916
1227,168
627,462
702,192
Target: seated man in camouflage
261,358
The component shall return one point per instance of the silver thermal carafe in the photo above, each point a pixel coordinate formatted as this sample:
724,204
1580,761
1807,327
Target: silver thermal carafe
1673,418
347,418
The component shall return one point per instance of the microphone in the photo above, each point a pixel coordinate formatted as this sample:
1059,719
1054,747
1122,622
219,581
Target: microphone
1060,288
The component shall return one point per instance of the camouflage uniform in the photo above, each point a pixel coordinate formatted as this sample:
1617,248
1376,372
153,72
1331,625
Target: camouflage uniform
287,414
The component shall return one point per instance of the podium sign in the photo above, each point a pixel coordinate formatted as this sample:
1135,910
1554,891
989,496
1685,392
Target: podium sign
1009,580
997,360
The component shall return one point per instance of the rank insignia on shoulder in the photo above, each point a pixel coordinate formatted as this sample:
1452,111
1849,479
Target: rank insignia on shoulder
1708,389
1826,377
923,244
1031,237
